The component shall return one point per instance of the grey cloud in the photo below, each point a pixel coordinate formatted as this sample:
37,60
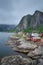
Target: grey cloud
11,11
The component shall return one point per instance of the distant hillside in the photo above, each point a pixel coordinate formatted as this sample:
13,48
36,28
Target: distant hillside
32,22
4,27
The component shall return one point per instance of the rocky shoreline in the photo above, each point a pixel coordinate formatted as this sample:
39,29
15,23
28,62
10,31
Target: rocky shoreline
30,49
18,60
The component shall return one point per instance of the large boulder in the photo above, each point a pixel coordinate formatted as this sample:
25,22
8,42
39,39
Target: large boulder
15,60
25,48
35,54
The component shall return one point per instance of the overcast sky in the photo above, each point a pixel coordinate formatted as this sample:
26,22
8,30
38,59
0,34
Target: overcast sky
11,11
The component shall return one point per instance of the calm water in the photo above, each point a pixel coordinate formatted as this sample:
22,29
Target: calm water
5,50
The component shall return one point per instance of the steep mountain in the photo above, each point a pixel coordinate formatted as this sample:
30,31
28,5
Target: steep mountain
31,21
4,27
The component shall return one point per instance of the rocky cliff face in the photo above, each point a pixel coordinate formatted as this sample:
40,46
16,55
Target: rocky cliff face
37,19
31,21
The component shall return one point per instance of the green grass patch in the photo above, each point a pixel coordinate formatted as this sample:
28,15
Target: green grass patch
39,28
27,30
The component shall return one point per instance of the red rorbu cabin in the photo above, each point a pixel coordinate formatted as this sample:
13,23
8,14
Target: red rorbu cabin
41,35
35,40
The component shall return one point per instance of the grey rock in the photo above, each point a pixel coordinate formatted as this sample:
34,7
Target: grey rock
40,62
16,60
